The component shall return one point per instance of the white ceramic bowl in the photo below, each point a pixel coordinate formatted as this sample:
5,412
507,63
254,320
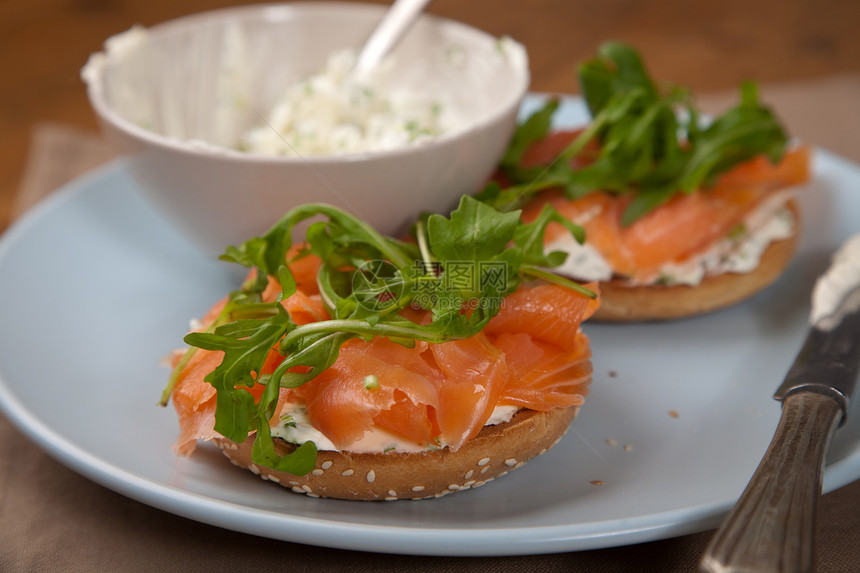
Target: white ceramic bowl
171,96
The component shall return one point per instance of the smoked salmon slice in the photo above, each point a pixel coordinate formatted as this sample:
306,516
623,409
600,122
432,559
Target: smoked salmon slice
368,380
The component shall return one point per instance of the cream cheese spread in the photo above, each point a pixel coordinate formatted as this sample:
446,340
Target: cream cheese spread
583,261
841,280
296,428
336,112
735,254
339,111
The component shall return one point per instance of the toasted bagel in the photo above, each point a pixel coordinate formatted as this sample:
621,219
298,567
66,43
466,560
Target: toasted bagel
390,476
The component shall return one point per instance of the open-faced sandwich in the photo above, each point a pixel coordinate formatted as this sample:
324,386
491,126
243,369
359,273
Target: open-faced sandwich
682,216
358,366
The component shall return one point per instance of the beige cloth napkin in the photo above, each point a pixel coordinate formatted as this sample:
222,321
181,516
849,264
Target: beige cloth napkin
52,519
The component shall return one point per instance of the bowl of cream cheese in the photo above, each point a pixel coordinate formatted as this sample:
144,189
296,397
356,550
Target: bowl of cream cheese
237,115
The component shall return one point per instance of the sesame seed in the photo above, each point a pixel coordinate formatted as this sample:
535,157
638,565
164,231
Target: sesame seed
371,476
453,487
469,483
542,452
519,465
254,469
294,483
317,472
391,498
611,442
307,488
484,470
326,464
274,478
469,474
309,494
347,473
483,461
392,493
298,489
511,462
418,488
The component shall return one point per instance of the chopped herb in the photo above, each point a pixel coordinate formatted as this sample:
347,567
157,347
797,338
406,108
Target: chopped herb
371,382
415,130
651,142
664,280
738,232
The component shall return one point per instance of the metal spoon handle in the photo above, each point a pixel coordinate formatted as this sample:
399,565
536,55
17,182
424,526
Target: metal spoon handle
772,527
394,24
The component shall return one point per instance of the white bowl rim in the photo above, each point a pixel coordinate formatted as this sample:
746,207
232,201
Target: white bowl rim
213,151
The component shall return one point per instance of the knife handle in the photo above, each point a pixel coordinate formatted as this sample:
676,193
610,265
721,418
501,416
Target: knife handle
772,526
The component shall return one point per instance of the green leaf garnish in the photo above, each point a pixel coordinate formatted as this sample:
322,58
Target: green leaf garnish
529,237
475,232
478,254
651,142
371,382
530,131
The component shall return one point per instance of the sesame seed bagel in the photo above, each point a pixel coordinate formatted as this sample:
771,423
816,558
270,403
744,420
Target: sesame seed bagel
390,476
621,302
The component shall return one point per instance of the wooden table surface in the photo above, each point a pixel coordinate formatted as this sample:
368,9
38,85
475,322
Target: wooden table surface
705,45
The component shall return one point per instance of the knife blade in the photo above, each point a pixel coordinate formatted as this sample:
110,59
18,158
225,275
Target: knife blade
829,360
772,526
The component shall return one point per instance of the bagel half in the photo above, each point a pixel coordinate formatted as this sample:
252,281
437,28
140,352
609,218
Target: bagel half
391,476
621,302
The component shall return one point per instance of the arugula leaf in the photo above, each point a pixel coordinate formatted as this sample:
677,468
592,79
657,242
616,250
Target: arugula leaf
646,147
530,131
245,345
475,231
530,238
299,462
618,68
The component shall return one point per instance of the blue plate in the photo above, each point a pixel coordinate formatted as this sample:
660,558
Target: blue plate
96,288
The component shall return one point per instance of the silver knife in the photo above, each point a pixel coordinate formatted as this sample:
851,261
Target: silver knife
772,526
